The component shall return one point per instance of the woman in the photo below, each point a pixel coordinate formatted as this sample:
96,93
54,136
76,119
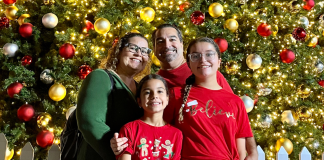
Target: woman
213,121
102,111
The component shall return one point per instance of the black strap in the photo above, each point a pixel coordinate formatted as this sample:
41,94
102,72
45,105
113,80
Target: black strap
111,79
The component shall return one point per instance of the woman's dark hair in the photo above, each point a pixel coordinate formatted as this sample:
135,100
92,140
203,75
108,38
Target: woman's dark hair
202,39
147,78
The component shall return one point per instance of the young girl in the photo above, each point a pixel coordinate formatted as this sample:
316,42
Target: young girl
151,138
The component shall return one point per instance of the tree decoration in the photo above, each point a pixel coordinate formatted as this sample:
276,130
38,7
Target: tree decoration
197,17
9,1
231,24
289,117
304,21
304,113
263,91
286,143
43,119
248,102
294,6
21,19
89,26
46,77
309,4
14,88
222,44
155,60
4,22
83,71
232,67
274,30
321,83
102,26
254,61
299,34
26,60
321,20
26,112
264,30
313,41
50,20
287,56
45,138
183,6
289,39
11,12
10,49
147,14
49,2
215,10
9,154
303,91
57,92
69,111
319,66
26,30
265,121
67,51
135,31
115,41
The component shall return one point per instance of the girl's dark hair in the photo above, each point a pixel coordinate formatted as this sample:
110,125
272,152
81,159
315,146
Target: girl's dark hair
147,78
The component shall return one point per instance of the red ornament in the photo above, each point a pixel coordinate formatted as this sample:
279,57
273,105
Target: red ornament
26,112
197,17
256,99
9,1
26,60
309,4
321,83
222,44
299,34
88,26
264,30
287,56
26,30
14,88
4,22
115,41
83,71
45,138
184,6
67,50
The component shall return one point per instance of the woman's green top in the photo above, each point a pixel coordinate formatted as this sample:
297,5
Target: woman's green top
101,112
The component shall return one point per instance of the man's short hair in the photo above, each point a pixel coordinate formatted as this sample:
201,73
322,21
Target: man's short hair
165,26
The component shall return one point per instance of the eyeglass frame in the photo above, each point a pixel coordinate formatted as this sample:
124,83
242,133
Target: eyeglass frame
200,56
138,48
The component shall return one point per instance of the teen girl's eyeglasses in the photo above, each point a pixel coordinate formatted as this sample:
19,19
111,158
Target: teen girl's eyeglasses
194,57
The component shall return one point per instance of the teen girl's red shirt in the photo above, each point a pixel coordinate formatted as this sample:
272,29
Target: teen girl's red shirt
212,121
146,142
177,77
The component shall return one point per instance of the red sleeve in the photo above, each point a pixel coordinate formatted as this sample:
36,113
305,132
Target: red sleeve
178,147
126,132
243,124
175,100
223,83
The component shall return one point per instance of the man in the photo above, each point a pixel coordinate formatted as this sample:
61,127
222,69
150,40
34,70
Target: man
168,48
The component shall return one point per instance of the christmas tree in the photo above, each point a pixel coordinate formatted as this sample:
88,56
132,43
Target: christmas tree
272,53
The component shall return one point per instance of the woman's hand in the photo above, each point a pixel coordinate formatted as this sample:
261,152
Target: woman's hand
118,144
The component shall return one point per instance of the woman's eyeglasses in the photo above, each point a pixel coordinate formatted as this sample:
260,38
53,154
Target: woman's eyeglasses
134,49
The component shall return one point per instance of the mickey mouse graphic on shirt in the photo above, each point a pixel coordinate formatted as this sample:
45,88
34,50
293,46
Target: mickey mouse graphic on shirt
156,147
143,147
168,146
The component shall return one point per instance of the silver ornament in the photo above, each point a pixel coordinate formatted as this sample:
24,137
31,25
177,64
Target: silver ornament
69,111
316,144
49,20
45,77
321,20
10,49
304,21
266,121
254,61
248,103
289,117
319,66
263,91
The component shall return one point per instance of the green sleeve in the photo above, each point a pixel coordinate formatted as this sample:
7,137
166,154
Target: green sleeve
92,111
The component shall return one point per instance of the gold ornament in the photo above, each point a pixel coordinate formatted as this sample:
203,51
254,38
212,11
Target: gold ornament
304,113
49,2
275,30
21,19
303,91
9,154
11,12
232,67
102,25
135,31
289,39
231,24
215,10
313,41
289,116
43,119
57,92
286,143
155,60
294,6
147,14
